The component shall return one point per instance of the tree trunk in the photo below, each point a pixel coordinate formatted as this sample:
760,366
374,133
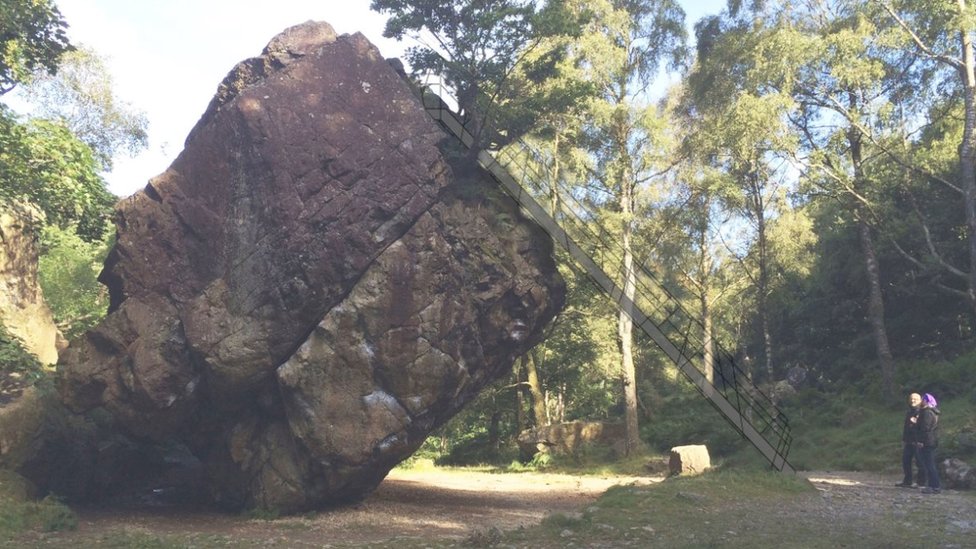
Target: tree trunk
535,390
708,354
626,341
554,179
473,121
704,275
625,325
876,312
519,397
967,150
876,309
762,282
494,429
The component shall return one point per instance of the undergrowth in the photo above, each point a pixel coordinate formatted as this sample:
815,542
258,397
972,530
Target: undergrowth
19,512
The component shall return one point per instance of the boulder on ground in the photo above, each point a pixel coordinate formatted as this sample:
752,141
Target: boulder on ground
689,460
567,439
315,284
958,474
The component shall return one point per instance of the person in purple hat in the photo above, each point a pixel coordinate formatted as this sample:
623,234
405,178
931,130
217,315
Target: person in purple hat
909,453
928,441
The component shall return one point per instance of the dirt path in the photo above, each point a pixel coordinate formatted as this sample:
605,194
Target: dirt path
870,497
408,504
443,505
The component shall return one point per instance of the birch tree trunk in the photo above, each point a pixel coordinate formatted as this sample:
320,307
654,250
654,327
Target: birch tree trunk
625,324
967,150
876,308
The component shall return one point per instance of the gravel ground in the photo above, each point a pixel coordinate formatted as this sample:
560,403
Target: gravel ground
446,505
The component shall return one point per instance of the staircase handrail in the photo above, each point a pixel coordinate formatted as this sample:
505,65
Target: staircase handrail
728,398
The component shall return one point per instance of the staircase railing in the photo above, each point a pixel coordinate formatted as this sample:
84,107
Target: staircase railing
654,309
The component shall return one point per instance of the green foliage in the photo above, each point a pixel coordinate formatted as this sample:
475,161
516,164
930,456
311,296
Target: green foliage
80,96
479,44
19,513
481,39
841,428
690,419
943,378
577,362
68,272
32,38
41,162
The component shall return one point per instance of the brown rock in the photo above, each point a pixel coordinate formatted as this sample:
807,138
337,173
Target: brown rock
23,310
312,286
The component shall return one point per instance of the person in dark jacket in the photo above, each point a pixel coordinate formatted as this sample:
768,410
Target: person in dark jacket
909,451
928,441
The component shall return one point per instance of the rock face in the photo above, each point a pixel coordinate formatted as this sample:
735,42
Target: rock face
313,285
22,307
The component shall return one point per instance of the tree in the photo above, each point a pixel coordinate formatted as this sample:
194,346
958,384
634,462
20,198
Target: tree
67,271
80,96
32,38
478,45
741,130
625,138
826,60
691,248
941,36
43,163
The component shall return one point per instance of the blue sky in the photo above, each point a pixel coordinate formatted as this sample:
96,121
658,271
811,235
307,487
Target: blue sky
168,56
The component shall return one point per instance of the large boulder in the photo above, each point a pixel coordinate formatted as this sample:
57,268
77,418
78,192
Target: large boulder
316,283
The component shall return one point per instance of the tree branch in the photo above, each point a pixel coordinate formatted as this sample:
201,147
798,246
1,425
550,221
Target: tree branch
930,244
926,50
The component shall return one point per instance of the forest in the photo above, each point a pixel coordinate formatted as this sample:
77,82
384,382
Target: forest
804,188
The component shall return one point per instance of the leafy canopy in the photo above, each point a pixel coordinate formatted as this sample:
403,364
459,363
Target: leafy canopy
68,270
43,163
476,40
477,44
80,95
32,37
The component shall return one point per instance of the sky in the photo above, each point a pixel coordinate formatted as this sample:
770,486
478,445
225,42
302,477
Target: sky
166,57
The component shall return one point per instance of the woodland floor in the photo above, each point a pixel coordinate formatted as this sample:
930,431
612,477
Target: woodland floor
443,506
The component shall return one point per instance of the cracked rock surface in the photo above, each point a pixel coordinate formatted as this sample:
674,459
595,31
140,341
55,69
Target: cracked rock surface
312,287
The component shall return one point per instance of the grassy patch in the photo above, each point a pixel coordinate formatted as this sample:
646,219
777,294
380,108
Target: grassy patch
726,508
19,513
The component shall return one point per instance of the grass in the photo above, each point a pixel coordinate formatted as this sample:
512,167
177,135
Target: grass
725,507
19,512
742,509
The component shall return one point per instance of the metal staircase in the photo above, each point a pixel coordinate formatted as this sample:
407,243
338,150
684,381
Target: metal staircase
653,309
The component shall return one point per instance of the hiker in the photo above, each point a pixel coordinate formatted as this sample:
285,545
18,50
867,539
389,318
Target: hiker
909,451
928,441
